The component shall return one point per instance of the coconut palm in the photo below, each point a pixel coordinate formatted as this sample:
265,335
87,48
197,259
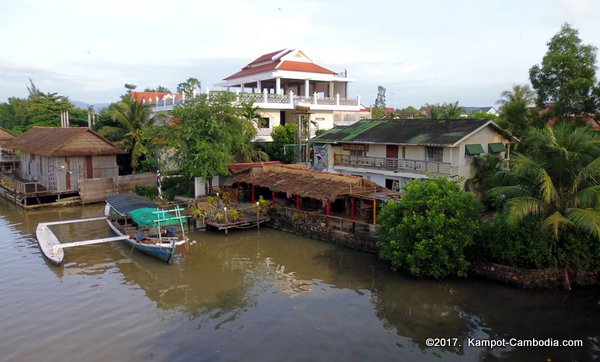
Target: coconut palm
133,119
521,93
559,181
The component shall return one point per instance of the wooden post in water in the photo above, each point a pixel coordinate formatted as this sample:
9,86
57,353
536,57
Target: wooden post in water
257,216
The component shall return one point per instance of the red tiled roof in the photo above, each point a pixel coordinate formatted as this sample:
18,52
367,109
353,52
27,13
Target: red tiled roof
265,57
304,67
276,63
247,71
151,96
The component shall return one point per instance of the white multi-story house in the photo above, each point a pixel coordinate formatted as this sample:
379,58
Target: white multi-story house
392,152
280,81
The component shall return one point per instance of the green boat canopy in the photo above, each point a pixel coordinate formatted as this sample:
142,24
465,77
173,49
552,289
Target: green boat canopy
146,216
474,149
496,147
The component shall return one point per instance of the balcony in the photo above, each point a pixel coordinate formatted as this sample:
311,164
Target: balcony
396,165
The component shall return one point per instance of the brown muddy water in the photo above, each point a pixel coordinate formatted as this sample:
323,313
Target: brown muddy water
259,295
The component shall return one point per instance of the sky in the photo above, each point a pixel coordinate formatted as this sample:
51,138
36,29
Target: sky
425,51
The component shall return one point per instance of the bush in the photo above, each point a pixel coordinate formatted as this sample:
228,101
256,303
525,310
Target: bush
147,192
178,185
428,230
524,246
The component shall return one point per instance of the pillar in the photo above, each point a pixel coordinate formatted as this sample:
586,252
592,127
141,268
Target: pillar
328,207
273,198
330,89
253,195
353,212
277,85
374,212
298,202
258,86
306,87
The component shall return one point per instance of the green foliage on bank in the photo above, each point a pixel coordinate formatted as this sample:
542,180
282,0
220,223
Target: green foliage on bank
428,231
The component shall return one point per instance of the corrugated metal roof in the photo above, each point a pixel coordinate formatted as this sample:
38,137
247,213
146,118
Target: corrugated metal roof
403,131
56,142
124,203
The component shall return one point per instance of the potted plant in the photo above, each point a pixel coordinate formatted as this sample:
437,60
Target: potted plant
323,221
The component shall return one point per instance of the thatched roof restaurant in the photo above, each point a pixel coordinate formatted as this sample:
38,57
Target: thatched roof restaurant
314,184
5,136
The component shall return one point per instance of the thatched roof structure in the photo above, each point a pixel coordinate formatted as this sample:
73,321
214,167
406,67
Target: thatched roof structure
57,142
309,183
5,136
237,168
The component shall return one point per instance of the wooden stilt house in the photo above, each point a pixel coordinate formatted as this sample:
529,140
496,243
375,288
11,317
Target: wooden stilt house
56,159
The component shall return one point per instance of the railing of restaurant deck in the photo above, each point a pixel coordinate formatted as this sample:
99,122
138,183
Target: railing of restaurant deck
331,221
396,164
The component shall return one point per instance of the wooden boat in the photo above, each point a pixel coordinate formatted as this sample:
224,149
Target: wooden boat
136,220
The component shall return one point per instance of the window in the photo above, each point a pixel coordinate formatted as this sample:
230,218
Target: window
434,154
263,122
496,147
357,153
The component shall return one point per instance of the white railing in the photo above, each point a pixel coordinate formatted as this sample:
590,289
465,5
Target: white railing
396,164
268,98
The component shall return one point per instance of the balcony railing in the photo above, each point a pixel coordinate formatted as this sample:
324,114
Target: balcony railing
395,164
293,99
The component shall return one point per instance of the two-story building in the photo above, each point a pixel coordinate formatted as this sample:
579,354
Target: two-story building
392,152
281,81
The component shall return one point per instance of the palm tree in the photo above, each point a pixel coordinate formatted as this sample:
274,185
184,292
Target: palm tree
451,110
133,119
244,150
559,181
521,93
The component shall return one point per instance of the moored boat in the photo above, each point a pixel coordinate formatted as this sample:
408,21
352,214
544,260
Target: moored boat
139,222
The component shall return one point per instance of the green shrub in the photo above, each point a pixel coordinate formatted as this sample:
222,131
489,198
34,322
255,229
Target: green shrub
524,246
147,192
178,186
428,230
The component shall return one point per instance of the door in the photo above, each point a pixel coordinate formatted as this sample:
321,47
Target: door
89,167
282,118
391,156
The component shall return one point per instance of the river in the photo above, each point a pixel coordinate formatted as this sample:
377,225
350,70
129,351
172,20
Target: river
260,295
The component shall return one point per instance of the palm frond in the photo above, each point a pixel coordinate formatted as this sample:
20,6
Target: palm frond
555,222
521,207
546,186
588,198
585,219
589,174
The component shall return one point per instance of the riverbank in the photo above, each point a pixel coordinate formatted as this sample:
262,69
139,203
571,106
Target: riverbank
549,278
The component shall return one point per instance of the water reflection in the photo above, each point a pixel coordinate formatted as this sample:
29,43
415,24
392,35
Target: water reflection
269,295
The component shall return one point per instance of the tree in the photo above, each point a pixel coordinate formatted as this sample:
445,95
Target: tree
451,110
428,230
516,114
207,135
133,119
160,88
433,111
566,79
282,135
189,87
38,109
243,149
557,180
380,100
130,87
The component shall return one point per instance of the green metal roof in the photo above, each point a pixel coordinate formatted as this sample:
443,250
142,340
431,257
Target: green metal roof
475,149
496,147
147,216
402,131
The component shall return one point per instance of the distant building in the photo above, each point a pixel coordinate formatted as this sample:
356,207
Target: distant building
160,101
280,81
392,152
469,111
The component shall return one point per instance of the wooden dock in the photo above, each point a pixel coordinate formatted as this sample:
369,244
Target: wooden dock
250,220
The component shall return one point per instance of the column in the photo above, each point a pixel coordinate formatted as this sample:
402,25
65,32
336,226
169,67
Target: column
330,89
258,86
328,207
273,198
298,202
306,87
353,212
253,195
278,85
242,88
